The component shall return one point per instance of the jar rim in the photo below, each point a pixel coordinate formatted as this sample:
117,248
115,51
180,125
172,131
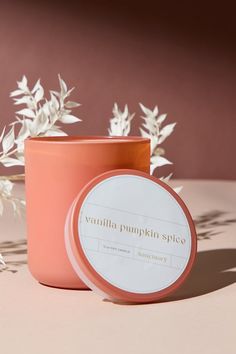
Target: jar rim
87,139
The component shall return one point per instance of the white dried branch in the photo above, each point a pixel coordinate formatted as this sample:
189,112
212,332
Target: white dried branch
39,117
120,123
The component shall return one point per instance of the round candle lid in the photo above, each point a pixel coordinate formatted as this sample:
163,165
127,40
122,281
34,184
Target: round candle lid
130,237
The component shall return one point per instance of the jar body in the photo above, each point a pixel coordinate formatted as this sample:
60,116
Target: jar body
56,169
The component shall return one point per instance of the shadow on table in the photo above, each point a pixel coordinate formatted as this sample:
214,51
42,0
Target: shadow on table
212,271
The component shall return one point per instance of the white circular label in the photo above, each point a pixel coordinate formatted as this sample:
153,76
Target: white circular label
134,234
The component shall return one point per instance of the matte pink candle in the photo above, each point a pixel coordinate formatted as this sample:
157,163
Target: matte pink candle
56,169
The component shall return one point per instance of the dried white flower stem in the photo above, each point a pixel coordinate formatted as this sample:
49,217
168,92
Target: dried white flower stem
120,125
39,118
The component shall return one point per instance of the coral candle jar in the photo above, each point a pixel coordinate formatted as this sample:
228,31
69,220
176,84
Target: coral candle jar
56,169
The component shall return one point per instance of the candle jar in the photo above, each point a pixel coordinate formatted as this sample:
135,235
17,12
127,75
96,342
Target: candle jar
56,169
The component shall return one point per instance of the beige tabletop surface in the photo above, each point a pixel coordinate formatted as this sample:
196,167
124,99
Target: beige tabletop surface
199,318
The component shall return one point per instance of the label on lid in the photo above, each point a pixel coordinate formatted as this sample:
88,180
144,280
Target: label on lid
134,233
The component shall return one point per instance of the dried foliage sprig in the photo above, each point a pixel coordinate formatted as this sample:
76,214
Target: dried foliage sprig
120,123
151,128
40,117
18,204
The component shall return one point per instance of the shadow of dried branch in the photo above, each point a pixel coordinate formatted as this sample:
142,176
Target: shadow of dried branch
208,224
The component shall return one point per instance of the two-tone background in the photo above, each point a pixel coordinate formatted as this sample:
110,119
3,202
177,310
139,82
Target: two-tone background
179,55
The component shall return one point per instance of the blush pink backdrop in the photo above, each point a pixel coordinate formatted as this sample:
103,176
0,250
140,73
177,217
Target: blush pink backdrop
180,57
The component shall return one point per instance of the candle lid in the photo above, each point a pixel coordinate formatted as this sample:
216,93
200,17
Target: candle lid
130,237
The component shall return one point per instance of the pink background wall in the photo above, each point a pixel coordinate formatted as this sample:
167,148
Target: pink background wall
181,58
